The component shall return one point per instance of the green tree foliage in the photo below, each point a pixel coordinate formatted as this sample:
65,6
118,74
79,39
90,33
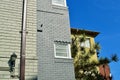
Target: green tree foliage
86,69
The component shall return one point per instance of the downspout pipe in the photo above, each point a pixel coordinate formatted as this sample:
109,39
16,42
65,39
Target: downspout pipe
23,40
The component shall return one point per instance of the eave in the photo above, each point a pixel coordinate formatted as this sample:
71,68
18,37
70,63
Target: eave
87,32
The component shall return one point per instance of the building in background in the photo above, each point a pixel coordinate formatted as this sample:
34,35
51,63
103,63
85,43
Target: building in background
89,43
83,52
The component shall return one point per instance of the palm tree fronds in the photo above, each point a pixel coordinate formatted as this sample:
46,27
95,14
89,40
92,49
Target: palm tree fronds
104,61
114,57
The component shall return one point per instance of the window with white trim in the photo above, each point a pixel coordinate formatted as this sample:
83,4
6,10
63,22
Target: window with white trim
62,50
59,2
86,43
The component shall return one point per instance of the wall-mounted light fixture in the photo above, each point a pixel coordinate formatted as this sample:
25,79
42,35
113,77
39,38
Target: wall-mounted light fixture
11,63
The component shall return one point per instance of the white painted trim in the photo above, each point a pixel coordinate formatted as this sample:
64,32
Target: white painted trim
65,4
60,4
68,52
69,48
54,50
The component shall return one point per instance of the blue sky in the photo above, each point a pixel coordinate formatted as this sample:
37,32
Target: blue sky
102,16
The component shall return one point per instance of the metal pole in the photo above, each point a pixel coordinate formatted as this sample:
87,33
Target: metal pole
23,41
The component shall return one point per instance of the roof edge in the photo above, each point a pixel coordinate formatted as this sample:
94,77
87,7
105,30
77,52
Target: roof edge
87,32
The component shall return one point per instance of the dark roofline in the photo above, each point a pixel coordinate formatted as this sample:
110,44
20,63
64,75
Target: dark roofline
87,32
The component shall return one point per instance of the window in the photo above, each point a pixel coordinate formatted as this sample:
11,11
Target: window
62,50
86,43
59,2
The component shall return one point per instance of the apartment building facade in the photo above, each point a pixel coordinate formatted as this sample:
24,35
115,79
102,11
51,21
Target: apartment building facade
47,55
53,38
89,42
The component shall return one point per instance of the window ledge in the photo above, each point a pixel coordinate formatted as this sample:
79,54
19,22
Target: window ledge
59,7
63,60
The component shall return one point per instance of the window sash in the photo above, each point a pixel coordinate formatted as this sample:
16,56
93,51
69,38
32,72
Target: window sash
86,43
62,50
59,2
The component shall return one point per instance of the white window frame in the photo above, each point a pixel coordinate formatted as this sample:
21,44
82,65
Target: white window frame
68,52
60,4
85,43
